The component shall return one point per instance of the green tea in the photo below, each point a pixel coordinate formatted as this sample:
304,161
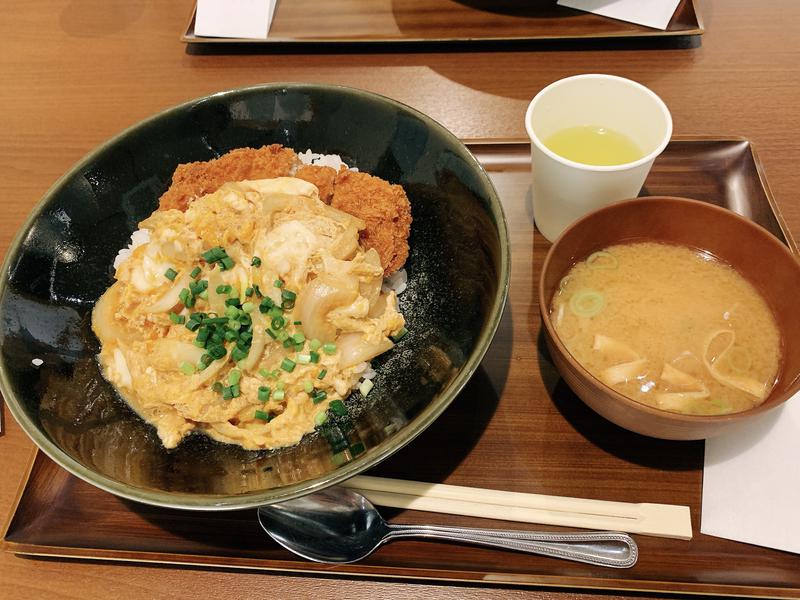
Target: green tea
593,145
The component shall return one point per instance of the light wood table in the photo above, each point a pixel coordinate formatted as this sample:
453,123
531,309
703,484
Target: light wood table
75,72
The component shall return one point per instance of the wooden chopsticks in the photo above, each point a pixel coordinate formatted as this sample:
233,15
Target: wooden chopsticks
661,520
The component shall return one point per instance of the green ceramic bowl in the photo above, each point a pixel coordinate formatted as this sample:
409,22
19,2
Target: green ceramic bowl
61,262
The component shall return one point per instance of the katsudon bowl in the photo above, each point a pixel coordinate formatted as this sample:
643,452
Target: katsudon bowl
61,262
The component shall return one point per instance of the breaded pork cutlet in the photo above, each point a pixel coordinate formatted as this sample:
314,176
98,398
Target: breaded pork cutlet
382,206
322,177
192,180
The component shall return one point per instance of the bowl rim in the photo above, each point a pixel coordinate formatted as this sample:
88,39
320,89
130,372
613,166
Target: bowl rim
793,385
411,430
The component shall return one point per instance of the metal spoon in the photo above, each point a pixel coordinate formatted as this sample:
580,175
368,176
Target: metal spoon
338,525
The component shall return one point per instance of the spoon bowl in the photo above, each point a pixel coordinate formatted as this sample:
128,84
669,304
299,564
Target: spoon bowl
338,525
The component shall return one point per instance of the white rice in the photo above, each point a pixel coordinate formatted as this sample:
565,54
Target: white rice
323,160
138,238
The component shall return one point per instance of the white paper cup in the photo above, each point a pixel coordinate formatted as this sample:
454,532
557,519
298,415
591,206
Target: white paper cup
565,190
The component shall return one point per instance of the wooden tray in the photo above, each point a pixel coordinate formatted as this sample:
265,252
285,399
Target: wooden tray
516,426
360,21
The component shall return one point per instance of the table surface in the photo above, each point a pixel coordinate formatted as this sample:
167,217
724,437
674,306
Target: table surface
76,72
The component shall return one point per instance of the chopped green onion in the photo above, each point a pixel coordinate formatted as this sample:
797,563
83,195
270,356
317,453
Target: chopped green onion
304,358
171,274
299,338
322,374
275,311
235,390
201,367
190,302
238,354
215,320
280,385
232,301
586,303
245,319
357,449
184,295
203,295
192,325
298,322
278,322
203,334
271,333
282,335
329,348
278,283
287,364
214,254
199,344
314,356
187,368
260,414
217,351
278,395
256,262
266,304
264,373
287,304
224,289
365,387
234,376
257,291
320,418
338,408
248,307
246,337
288,295
602,260
314,344
176,318
206,359
195,272
248,292
226,264
227,392
319,396
399,334
288,343
217,387
308,386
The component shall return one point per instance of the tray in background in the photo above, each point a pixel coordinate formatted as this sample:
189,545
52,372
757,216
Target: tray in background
367,21
516,426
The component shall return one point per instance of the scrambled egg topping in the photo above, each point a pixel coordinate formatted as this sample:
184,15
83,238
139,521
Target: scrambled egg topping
245,317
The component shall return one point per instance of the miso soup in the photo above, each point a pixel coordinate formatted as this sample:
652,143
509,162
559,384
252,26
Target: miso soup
670,327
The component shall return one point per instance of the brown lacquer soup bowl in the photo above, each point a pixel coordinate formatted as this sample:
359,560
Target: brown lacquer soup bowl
751,250
61,262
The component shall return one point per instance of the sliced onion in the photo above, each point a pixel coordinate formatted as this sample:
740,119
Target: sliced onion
216,302
170,297
257,344
679,401
170,354
121,368
317,299
104,324
353,348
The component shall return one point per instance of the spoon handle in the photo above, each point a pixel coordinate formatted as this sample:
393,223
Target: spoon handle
607,549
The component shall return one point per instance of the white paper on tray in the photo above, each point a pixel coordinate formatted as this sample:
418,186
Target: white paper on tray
249,19
751,481
650,13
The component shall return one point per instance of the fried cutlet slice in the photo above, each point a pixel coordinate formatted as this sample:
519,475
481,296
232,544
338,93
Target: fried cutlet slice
383,207
322,177
192,180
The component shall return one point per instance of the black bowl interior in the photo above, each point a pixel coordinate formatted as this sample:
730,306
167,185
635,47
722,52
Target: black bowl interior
62,262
